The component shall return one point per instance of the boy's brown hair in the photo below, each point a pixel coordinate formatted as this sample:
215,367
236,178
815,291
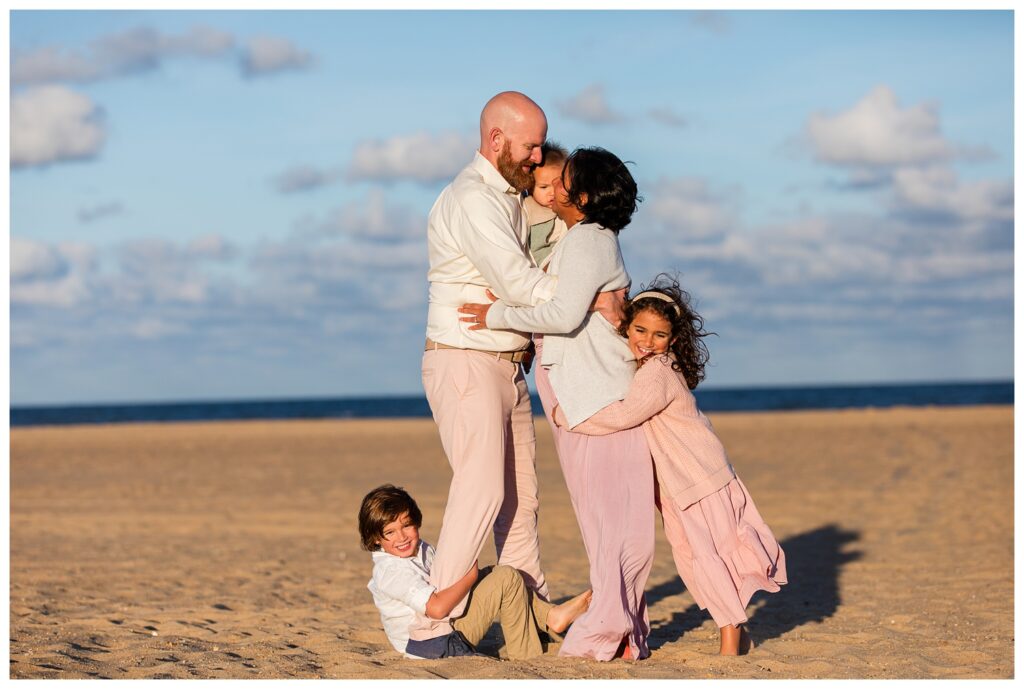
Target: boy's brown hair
381,506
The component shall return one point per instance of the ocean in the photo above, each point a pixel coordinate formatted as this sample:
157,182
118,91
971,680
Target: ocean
710,400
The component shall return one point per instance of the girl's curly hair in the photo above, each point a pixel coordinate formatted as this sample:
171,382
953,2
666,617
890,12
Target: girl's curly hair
691,354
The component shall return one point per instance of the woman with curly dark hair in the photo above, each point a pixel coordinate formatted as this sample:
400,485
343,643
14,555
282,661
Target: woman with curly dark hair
723,549
584,366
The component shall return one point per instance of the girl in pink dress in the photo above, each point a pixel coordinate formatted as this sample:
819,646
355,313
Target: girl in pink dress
722,548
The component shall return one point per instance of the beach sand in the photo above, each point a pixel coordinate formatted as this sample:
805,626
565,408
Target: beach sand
229,550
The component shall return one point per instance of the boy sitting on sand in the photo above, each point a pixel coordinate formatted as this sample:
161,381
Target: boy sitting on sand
389,522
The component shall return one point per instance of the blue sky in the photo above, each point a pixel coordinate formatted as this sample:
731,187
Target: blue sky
232,204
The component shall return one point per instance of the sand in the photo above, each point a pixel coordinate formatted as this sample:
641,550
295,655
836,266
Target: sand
229,550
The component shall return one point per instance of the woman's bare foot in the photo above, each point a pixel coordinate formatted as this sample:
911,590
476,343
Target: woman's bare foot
735,640
563,614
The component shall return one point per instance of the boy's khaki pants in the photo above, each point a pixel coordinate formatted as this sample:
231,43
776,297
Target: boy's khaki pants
502,593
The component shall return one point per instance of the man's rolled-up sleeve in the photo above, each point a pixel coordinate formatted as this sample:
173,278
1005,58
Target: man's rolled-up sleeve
489,241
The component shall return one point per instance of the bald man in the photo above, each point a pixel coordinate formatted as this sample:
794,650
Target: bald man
477,239
476,235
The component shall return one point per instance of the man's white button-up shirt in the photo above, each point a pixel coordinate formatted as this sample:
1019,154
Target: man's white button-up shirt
477,239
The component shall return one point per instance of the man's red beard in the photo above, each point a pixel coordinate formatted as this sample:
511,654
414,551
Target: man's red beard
512,171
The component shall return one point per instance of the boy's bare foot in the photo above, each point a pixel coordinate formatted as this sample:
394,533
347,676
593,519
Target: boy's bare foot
735,640
563,614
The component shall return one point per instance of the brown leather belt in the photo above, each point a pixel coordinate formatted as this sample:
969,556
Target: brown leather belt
515,357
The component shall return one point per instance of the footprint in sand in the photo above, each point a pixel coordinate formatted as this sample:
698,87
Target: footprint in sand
49,666
86,649
76,658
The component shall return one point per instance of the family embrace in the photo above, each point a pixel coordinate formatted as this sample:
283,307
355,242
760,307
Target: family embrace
539,280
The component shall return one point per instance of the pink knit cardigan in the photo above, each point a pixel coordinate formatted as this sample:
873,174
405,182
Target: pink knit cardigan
689,458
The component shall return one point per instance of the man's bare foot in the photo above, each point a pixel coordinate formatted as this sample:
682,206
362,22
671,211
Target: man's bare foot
563,614
735,640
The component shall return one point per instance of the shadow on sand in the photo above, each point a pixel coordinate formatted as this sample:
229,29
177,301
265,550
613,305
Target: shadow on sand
813,562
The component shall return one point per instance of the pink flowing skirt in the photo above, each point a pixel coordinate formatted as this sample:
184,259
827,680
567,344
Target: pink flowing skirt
611,484
724,551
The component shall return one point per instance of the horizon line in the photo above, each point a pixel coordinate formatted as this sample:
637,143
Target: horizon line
354,397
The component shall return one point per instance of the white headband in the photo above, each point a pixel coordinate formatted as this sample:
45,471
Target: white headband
658,295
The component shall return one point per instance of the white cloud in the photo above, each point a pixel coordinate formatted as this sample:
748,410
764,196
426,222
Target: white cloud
56,276
938,190
52,64
268,54
329,293
902,151
340,261
137,50
103,210
956,266
667,116
144,49
688,210
53,123
825,270
211,247
155,328
158,271
590,106
373,218
876,131
304,178
199,41
32,260
422,157
153,289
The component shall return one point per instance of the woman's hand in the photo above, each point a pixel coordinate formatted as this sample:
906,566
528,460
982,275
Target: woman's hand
477,313
611,305
559,416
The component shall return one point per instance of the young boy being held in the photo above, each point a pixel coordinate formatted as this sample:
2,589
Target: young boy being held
389,522
545,227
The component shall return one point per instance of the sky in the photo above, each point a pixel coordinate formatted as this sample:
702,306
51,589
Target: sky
232,204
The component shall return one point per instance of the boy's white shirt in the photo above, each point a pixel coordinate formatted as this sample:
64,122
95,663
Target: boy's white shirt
401,588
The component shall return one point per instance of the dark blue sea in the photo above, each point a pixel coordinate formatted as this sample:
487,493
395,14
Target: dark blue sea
710,400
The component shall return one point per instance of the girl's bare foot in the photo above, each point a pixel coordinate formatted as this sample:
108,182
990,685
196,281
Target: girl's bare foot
735,640
563,614
625,651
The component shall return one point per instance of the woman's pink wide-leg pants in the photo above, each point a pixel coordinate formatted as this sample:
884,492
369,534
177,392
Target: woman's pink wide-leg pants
611,484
